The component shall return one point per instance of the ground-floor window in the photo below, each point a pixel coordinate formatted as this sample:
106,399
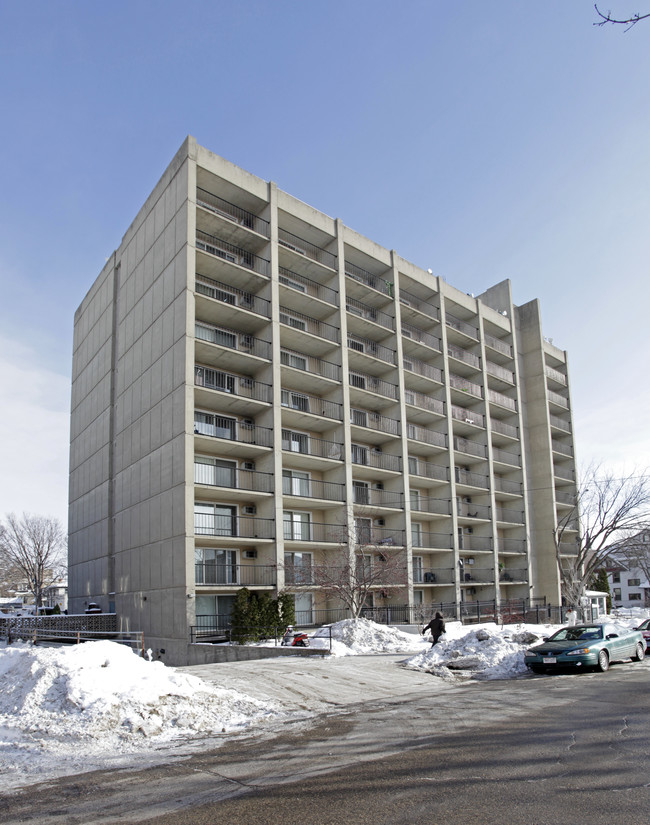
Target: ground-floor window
214,612
304,606
214,566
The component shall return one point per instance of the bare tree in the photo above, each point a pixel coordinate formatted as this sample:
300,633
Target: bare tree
35,547
607,509
606,17
634,552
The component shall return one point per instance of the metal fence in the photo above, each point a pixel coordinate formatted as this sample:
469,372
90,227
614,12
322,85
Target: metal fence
72,629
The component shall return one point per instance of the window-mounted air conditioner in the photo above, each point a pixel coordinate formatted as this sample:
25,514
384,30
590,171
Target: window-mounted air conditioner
250,554
249,465
471,591
250,509
380,522
469,530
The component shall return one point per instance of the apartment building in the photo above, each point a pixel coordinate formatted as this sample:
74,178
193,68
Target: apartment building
258,390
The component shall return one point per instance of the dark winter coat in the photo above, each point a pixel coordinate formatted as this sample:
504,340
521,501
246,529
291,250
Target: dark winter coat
436,626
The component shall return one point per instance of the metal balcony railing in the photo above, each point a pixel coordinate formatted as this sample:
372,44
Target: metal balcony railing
513,575
361,381
299,574
368,279
420,336
303,402
428,504
374,421
501,399
471,510
240,341
474,543
233,254
471,479
420,368
555,375
462,355
464,445
367,457
232,478
462,384
313,531
369,313
498,345
238,385
433,575
560,423
501,427
473,574
296,320
565,498
511,516
231,212
313,488
506,457
368,347
244,432
408,299
497,371
308,287
564,472
370,496
558,399
508,545
427,469
209,573
425,435
563,449
568,549
379,536
303,247
435,541
308,445
467,416
461,326
505,485
311,364
232,296
233,525
424,402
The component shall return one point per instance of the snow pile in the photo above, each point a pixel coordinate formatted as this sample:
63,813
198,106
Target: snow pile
100,699
486,652
354,637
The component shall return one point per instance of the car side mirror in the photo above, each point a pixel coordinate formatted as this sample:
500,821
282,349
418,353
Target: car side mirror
612,636
545,638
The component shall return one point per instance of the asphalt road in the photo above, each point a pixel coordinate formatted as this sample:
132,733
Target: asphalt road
532,751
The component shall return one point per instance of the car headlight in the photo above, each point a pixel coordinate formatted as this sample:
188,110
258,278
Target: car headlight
579,652
531,653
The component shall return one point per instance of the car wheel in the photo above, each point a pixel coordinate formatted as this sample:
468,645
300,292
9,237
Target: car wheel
603,661
639,655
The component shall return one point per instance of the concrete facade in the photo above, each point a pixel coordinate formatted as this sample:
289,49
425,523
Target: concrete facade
257,389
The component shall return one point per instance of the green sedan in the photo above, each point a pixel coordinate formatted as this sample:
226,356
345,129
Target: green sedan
586,645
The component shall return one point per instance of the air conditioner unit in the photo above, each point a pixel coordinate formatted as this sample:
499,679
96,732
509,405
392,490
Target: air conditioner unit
379,485
250,509
471,591
467,499
469,530
377,450
249,465
250,554
380,522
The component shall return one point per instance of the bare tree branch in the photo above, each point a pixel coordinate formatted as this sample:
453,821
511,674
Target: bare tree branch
629,21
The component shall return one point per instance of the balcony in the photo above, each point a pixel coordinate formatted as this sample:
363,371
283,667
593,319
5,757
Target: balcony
559,423
232,254
374,421
310,531
424,408
508,545
467,478
461,384
310,364
210,342
229,429
463,356
232,478
500,373
420,368
505,485
364,495
307,287
564,473
464,445
477,575
236,388
429,505
501,428
557,399
368,279
231,212
379,536
312,488
502,400
568,499
510,516
469,510
304,323
211,574
308,445
475,544
369,383
555,375
461,326
233,526
408,299
365,346
513,576
427,469
498,345
433,575
232,296
309,250
301,402
419,336
375,458
505,457
423,539
467,416
369,313
426,436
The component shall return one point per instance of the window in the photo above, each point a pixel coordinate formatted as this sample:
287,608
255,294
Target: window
295,483
633,582
363,530
292,359
417,534
295,442
364,567
416,500
295,400
214,425
361,492
284,279
304,605
296,526
634,597
359,417
418,576
214,380
215,566
616,577
359,454
214,612
355,344
418,597
357,380
215,520
617,594
223,337
298,568
292,321
215,471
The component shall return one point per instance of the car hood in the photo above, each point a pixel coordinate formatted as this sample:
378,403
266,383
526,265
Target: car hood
554,648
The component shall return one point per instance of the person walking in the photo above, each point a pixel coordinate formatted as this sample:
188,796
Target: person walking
436,626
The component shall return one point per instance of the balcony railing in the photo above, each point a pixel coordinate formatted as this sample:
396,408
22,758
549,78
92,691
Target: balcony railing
238,385
560,423
372,497
558,399
426,308
232,477
380,536
462,384
511,516
244,575
471,479
313,488
303,402
299,574
467,416
425,435
311,364
313,531
232,430
435,541
424,402
474,543
501,427
367,457
497,371
464,445
240,341
555,375
497,344
361,381
427,504
374,421
564,473
368,279
565,498
433,575
563,449
369,313
501,399
368,347
568,549
505,485
296,320
308,287
420,368
233,213
461,326
427,469
513,575
471,510
225,526
508,545
506,457
303,247
232,254
232,296
482,575
420,336
462,355
308,445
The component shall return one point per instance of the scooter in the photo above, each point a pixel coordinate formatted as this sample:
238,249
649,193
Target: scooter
293,639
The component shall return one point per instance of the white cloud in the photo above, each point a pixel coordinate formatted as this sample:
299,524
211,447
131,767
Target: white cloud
34,434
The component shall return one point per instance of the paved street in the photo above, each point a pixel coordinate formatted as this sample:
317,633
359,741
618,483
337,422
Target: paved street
533,751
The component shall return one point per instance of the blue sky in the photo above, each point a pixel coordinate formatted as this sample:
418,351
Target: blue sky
485,140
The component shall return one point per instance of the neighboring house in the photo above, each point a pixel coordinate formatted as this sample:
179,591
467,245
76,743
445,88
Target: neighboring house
256,386
628,582
56,594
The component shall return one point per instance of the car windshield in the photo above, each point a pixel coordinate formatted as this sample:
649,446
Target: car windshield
644,625
578,634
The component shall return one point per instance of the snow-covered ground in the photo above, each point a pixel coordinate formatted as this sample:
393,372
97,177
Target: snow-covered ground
71,709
